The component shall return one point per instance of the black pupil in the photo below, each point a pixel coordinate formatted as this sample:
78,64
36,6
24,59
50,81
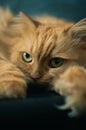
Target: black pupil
27,55
57,60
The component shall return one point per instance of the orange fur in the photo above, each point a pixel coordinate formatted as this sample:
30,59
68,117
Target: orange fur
47,40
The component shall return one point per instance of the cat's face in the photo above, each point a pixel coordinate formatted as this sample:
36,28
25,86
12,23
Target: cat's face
42,52
37,55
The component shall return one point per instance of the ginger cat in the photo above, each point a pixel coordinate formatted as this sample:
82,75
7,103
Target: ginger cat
46,50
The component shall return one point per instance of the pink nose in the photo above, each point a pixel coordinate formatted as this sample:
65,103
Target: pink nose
34,77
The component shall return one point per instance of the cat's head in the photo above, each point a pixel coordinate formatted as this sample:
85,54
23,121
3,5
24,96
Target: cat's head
42,51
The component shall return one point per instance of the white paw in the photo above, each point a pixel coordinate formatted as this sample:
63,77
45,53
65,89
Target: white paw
71,85
74,99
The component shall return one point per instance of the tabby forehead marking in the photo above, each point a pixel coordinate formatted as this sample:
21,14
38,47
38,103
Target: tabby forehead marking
44,42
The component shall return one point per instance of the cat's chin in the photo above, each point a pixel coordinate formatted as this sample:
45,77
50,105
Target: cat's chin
38,81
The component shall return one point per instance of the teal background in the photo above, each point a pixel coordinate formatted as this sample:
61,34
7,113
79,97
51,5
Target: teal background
69,9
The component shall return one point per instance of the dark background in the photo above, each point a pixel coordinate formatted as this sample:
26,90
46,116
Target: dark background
39,106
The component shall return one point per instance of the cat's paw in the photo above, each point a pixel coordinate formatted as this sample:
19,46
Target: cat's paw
72,86
12,82
13,90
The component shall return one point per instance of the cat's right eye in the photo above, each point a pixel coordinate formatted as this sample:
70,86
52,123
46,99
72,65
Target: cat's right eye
26,57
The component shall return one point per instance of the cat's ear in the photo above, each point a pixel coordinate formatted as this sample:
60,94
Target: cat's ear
31,22
78,32
23,21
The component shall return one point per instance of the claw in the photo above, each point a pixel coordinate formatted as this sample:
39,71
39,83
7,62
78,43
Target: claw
62,107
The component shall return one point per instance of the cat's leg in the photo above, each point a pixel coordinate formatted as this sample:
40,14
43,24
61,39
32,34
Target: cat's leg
12,81
72,85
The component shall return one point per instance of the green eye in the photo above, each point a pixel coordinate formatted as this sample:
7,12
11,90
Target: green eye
56,62
26,57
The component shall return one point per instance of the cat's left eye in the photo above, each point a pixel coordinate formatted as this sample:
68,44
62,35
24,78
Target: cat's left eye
26,57
56,62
